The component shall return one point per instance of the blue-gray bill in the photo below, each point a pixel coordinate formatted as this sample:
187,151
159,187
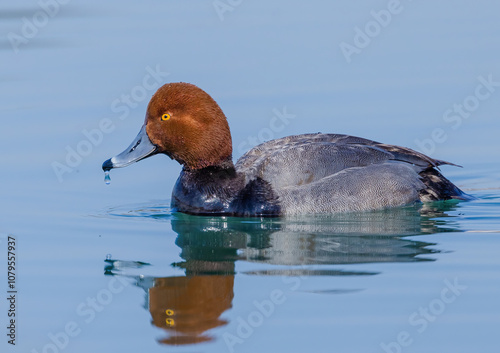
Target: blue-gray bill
140,148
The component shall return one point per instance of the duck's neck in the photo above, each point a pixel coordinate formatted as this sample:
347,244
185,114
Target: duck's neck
217,174
208,190
224,164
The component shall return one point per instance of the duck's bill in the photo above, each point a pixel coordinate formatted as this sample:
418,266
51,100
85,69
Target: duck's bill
140,148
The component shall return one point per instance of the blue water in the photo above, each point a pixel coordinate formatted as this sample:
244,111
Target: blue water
110,267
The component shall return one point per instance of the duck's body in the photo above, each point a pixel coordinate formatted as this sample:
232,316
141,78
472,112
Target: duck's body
314,173
302,174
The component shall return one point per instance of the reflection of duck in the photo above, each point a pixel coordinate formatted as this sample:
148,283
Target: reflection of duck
187,307
335,239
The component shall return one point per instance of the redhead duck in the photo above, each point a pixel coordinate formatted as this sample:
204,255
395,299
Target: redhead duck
302,174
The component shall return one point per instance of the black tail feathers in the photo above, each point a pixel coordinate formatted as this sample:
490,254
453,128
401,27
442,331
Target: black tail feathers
437,187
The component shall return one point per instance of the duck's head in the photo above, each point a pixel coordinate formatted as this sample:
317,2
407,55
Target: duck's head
185,123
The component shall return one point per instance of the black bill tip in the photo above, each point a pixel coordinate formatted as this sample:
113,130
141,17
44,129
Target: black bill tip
107,165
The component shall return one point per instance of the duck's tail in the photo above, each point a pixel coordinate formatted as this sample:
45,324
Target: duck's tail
437,187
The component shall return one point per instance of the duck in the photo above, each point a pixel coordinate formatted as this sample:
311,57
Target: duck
312,173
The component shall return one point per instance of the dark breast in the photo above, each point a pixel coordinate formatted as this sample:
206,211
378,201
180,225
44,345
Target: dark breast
258,199
222,191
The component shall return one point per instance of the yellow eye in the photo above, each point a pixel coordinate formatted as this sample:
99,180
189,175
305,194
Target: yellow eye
165,117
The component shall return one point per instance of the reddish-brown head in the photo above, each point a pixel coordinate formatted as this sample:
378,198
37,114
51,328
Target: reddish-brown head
185,123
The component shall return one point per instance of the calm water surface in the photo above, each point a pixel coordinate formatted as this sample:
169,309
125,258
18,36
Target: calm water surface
112,268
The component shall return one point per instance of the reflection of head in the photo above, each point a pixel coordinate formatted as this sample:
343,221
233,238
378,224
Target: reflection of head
188,306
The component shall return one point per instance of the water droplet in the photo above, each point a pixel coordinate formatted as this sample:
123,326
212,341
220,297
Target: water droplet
108,256
107,179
